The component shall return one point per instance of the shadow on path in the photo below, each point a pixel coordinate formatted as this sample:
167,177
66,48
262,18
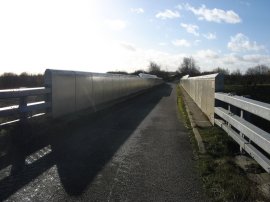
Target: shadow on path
82,147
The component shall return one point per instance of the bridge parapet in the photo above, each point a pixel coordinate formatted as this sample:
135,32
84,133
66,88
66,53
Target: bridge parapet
202,90
73,91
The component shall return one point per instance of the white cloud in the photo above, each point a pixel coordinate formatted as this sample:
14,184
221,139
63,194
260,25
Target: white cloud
180,7
257,58
137,10
181,42
210,36
69,46
168,14
196,42
209,59
215,15
162,44
240,42
117,24
190,28
128,46
207,54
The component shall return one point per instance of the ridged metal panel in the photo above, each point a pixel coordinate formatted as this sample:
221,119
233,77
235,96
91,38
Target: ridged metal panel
63,87
98,88
74,91
107,89
84,91
202,90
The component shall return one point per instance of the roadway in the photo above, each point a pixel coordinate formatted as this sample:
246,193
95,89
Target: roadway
138,150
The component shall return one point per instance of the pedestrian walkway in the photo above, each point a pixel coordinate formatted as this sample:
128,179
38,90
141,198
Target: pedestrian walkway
138,150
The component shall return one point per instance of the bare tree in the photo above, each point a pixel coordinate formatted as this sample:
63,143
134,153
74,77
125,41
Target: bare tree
236,72
154,68
189,67
258,70
221,71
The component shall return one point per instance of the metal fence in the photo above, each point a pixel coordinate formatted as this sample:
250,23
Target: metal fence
252,139
74,91
202,90
66,92
232,114
24,108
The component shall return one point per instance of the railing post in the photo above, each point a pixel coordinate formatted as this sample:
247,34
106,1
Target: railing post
229,109
48,98
20,139
22,110
242,151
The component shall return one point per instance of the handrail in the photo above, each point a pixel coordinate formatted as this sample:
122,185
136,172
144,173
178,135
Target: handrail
23,109
260,109
23,92
246,134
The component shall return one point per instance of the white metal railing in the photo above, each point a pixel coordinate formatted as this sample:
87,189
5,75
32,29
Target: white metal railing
252,139
24,109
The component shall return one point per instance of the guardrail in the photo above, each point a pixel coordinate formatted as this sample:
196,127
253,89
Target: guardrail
232,114
24,109
202,90
252,139
68,92
74,91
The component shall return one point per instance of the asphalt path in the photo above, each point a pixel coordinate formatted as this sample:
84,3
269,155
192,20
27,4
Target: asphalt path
138,150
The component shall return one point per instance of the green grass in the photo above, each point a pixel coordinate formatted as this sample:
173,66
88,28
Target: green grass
182,108
184,115
222,179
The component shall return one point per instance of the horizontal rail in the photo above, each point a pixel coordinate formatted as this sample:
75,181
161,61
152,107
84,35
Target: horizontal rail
255,134
23,92
260,109
15,109
249,148
17,120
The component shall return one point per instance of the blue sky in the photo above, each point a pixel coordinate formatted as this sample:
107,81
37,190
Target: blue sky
104,35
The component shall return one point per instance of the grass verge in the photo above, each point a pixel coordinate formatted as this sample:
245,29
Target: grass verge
222,179
184,115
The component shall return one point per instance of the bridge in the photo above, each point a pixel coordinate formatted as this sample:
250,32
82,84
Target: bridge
137,149
101,137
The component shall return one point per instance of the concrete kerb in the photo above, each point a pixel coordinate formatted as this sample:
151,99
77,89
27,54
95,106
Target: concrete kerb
194,128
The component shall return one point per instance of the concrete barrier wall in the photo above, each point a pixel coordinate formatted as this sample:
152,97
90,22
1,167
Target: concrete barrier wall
202,90
74,91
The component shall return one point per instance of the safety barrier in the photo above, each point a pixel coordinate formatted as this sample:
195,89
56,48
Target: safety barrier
73,91
23,109
252,139
202,90
231,113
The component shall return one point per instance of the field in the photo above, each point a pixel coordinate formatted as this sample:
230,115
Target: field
258,92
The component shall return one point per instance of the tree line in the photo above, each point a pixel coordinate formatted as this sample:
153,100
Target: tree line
11,80
259,74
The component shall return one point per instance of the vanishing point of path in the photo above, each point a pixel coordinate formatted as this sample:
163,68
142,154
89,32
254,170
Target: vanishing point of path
138,150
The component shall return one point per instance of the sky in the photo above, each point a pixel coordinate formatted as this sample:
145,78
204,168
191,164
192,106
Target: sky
125,35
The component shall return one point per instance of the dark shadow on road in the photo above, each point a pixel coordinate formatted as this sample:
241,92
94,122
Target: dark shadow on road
82,147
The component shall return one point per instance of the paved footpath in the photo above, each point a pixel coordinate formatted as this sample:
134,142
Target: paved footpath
138,150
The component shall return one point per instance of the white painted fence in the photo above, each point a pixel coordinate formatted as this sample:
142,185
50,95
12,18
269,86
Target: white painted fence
205,91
